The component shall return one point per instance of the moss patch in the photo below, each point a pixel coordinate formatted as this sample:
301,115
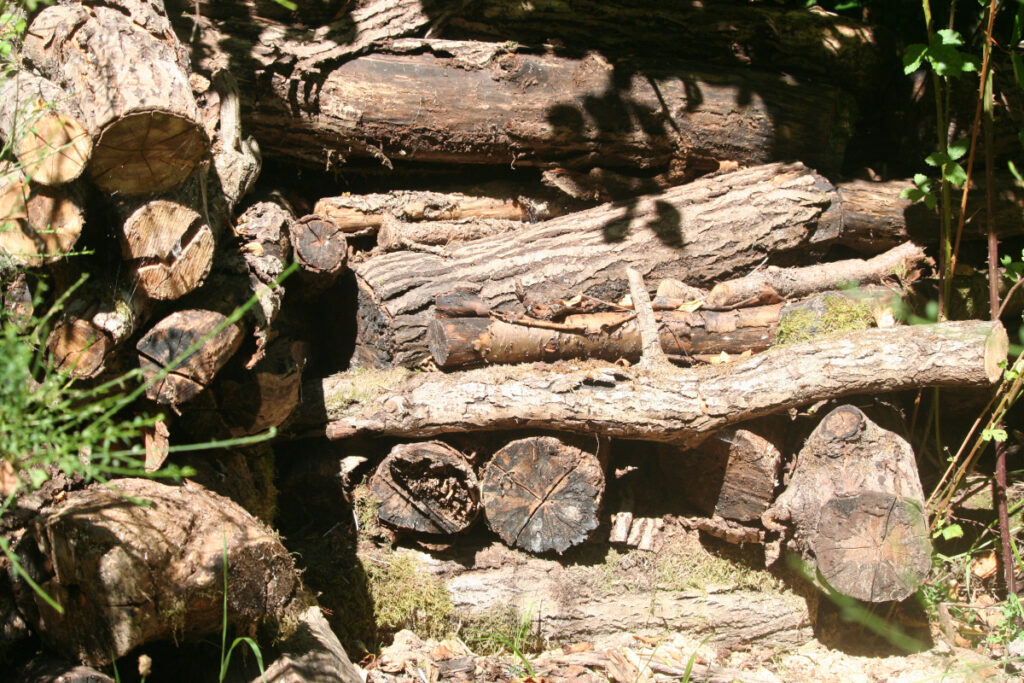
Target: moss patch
840,314
362,385
405,596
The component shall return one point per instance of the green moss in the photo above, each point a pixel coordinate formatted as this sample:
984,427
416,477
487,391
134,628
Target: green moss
505,629
362,385
366,507
404,596
841,314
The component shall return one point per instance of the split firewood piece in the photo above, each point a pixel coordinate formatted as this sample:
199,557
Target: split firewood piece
680,405
542,494
43,128
857,509
426,487
237,161
651,353
169,241
733,474
312,653
38,224
362,213
128,574
127,73
320,248
396,235
773,285
170,338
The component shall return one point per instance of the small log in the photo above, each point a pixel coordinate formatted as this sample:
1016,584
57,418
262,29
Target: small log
170,338
321,250
128,74
732,475
671,405
395,235
426,487
312,653
128,574
43,128
857,509
773,285
78,347
38,224
363,213
542,494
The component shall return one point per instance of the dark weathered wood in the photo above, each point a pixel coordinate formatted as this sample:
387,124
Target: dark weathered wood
128,74
702,232
669,405
733,474
857,510
43,668
320,248
78,347
542,494
426,487
170,338
773,285
128,574
38,224
43,128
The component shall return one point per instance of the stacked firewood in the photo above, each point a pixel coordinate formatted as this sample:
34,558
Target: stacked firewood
663,260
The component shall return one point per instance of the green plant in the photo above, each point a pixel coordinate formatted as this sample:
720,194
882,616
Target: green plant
404,596
509,632
225,652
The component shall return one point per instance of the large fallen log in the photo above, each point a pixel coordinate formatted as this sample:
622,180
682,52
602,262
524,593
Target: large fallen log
128,74
702,232
857,508
666,404
128,574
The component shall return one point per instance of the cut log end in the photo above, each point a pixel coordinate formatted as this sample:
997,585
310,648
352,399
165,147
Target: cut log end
170,246
147,153
319,244
55,149
78,348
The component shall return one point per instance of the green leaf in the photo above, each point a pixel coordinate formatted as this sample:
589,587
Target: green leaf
913,194
1013,166
958,148
993,434
945,58
952,531
38,477
912,57
954,173
936,159
922,181
948,36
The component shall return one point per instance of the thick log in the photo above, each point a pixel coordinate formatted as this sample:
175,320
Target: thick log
128,74
548,111
363,213
43,128
426,487
702,232
128,574
542,494
773,285
857,508
170,338
38,224
669,404
169,241
732,475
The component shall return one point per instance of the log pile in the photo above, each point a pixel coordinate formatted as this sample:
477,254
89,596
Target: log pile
666,255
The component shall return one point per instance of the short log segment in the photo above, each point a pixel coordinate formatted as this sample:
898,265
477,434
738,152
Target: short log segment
38,224
129,574
320,248
691,232
773,285
164,345
43,128
128,74
857,508
670,405
542,494
426,487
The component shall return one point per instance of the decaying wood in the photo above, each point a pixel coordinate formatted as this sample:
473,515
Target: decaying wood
702,232
237,161
38,224
426,487
773,285
129,574
43,128
361,213
542,494
857,508
312,653
320,249
170,338
78,347
490,104
732,475
169,241
670,405
128,74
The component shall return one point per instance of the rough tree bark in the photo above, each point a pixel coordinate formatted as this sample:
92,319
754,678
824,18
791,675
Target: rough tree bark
702,232
857,509
542,494
128,74
129,574
426,487
670,405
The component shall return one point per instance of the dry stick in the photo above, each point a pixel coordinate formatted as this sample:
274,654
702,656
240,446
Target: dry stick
651,354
